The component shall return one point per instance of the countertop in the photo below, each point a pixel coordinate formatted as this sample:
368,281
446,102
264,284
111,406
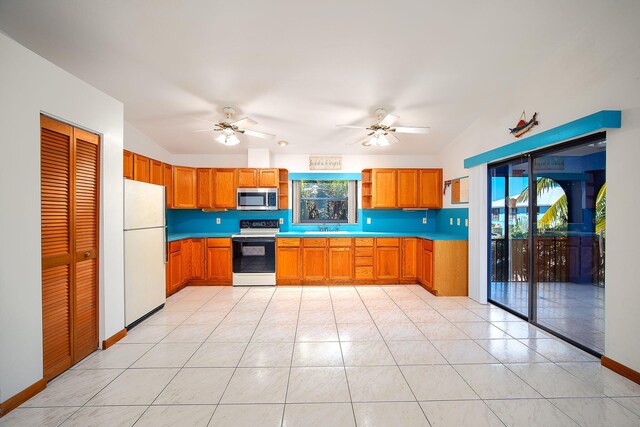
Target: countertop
422,235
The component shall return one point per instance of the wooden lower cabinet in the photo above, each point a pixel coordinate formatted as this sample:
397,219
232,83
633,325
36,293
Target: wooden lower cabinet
219,260
314,264
387,263
174,267
197,259
409,258
185,258
288,265
340,264
444,267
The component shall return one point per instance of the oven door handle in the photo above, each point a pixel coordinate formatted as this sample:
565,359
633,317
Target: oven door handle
254,240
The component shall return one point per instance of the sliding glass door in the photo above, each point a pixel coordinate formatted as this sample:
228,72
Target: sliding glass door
548,232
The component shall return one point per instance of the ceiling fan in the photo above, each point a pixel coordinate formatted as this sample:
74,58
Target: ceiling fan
384,127
230,128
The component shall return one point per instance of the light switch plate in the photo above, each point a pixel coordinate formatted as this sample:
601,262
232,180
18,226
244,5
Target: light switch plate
457,221
218,221
450,221
424,220
281,221
466,222
368,220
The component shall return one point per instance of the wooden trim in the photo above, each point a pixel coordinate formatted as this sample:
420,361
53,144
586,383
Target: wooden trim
26,394
621,369
114,339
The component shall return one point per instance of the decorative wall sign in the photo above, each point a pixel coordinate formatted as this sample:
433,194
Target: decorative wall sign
549,163
326,163
523,125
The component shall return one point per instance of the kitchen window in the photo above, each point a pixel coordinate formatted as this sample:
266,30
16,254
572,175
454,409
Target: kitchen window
332,201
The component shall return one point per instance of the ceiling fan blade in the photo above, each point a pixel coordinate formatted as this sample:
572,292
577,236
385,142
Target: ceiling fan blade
258,134
407,129
243,121
352,127
388,120
394,136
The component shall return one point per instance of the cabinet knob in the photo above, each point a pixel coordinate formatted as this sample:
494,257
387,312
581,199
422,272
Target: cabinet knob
87,254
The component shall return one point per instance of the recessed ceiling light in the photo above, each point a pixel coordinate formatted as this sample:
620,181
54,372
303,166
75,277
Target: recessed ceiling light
283,143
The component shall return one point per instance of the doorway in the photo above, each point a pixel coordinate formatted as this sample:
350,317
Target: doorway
69,173
547,224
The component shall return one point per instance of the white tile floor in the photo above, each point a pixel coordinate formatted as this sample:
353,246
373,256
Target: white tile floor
318,356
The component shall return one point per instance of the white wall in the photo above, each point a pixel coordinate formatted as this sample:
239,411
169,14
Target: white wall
138,142
598,69
30,85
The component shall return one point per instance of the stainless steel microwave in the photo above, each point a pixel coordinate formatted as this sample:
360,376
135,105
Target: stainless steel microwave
257,199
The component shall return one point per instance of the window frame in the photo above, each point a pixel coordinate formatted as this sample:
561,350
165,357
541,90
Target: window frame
352,204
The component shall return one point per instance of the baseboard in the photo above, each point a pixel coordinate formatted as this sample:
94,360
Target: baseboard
26,394
114,339
621,369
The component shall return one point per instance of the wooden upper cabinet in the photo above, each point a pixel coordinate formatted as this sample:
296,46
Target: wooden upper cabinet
141,166
184,187
156,171
167,178
384,191
225,188
409,258
205,179
127,157
407,188
246,178
430,188
268,177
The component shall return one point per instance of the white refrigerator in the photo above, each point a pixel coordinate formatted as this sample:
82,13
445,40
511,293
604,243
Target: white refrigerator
144,249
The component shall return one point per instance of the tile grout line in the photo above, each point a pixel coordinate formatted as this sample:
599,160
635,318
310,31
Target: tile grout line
295,335
344,365
243,352
390,352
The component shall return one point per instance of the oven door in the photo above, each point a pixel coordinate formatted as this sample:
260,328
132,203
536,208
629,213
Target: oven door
254,254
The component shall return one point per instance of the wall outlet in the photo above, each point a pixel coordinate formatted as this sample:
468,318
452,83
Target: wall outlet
466,222
281,221
368,220
450,221
424,220
457,221
218,221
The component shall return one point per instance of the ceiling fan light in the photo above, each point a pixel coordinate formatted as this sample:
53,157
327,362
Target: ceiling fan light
382,141
221,138
373,141
232,140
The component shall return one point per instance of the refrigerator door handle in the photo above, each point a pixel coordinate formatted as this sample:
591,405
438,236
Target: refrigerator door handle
166,246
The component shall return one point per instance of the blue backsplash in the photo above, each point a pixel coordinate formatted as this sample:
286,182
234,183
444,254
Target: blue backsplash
382,220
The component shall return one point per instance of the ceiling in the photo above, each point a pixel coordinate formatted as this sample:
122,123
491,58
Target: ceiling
298,68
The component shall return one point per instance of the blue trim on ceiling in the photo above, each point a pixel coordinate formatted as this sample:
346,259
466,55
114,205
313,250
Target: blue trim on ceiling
324,176
605,119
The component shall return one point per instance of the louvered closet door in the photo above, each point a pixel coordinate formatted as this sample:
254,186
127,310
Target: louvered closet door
57,247
87,152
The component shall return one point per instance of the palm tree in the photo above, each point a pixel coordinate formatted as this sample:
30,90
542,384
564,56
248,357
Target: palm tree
601,210
558,212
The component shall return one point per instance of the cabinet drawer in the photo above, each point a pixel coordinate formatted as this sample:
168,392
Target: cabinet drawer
364,241
339,241
174,246
292,242
364,261
314,242
218,242
388,241
427,245
364,251
364,273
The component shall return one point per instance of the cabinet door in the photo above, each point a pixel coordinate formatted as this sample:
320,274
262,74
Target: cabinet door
384,191
340,263
175,270
314,264
197,259
155,172
185,250
419,268
268,177
288,263
387,262
427,268
430,188
184,187
409,258
219,264
127,158
167,177
246,178
205,188
407,188
225,188
140,168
